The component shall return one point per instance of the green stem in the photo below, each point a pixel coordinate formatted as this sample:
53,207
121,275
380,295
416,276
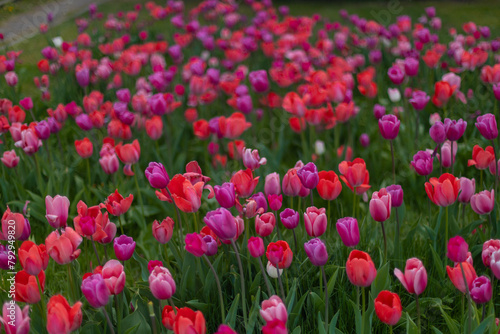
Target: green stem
354,202
385,241
70,283
393,163
221,299
363,310
398,240
277,225
264,274
95,250
121,223
119,314
42,301
242,281
326,298
195,222
418,314
446,227
110,324
139,194
496,167
178,215
281,283
151,316
469,311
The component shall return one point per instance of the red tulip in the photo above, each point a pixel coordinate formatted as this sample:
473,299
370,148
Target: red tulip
129,153
187,196
168,317
279,254
84,148
33,258
27,287
481,159
163,232
189,321
355,175
442,93
21,229
116,204
63,248
455,275
443,191
329,186
244,182
388,307
264,224
61,317
360,268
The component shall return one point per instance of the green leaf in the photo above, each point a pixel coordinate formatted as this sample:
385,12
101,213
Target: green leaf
382,280
357,317
411,328
294,316
333,323
231,315
135,323
332,281
254,312
144,266
450,323
290,299
297,330
438,264
321,325
490,320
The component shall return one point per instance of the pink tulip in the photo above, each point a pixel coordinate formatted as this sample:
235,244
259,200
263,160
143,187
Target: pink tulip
264,224
14,320
467,189
315,221
163,231
483,202
457,249
489,247
273,309
251,159
272,185
380,205
114,276
161,283
57,210
414,278
95,290
10,159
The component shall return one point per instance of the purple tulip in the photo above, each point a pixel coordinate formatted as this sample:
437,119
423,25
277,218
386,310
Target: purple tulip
42,130
467,189
378,111
4,258
364,140
84,122
289,218
419,99
157,104
225,195
422,163
411,66
438,132
454,128
157,175
95,290
316,252
26,103
430,11
212,245
389,126
123,95
222,223
256,246
396,74
124,247
348,230
496,87
83,77
396,193
481,290
487,126
244,104
259,81
308,175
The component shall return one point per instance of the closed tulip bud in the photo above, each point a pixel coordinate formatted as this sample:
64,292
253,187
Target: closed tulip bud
11,78
256,246
487,126
496,91
195,244
272,271
87,225
33,257
456,276
481,290
389,126
380,205
483,202
308,175
315,221
264,224
291,183
124,247
273,309
157,175
84,148
153,264
275,202
396,74
114,276
454,128
489,247
364,140
438,132
414,279
163,232
259,81
272,185
57,210
378,111
10,159
457,249
244,182
161,283
13,319
394,94
411,66
222,223
212,246
289,218
348,230
279,254
316,252
422,163
94,288
84,122
225,195
329,186
360,269
467,189
419,100
388,307
396,193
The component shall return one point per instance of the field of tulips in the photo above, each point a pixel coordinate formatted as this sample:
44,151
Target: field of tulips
235,167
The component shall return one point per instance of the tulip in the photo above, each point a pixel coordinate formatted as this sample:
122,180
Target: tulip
396,75
329,186
443,191
355,175
14,320
272,271
187,197
289,218
273,309
57,210
495,263
33,257
222,222
275,202
316,252
29,142
61,317
378,111
483,202
411,67
128,153
116,204
261,201
308,175
63,248
467,189
244,182
419,99
394,94
272,185
389,127
442,92
380,205
264,224
481,291
422,163
454,129
396,193
315,221
189,321
27,287
251,159
275,327
94,288
487,126
157,175
457,249
414,278
291,183
482,159
10,159
82,76
124,247
388,307
259,81
279,254
6,258
348,230
225,329
114,276
163,232
456,276
256,246
360,269
11,78
161,283
195,244
438,132
489,247
225,195
364,140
